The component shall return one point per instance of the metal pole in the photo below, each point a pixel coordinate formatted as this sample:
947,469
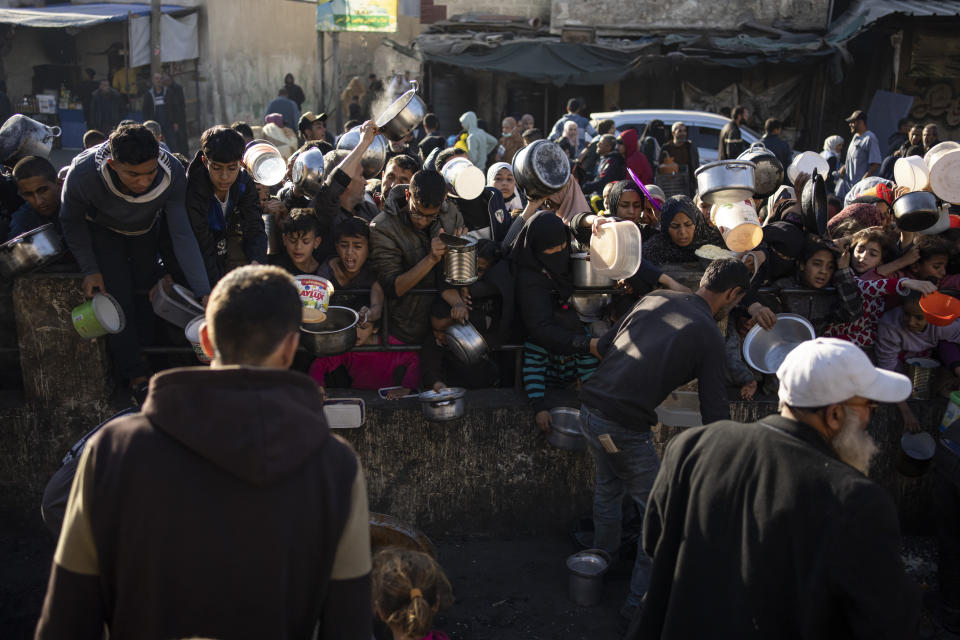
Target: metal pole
336,79
126,51
156,61
320,64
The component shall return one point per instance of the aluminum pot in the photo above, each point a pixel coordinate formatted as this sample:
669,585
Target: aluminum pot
590,306
541,169
403,116
769,172
726,181
21,136
916,211
586,576
374,158
30,250
460,261
766,350
466,343
444,405
337,334
307,171
586,277
565,429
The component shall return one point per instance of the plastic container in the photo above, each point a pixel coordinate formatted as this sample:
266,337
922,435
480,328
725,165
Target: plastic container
464,180
98,316
680,409
315,294
940,309
807,162
178,306
615,249
739,225
952,413
192,332
911,172
265,163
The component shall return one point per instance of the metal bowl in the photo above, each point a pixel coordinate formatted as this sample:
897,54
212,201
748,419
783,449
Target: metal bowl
403,116
307,171
373,158
585,276
726,181
766,350
565,429
337,334
589,306
444,405
30,250
466,343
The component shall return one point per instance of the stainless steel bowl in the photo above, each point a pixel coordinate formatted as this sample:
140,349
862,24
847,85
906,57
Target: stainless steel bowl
766,350
466,343
403,116
337,334
30,250
444,405
373,158
565,429
586,277
307,171
726,181
590,305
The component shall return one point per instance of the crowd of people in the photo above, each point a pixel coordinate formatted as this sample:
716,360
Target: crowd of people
136,215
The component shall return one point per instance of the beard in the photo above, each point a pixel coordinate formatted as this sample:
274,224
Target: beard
853,444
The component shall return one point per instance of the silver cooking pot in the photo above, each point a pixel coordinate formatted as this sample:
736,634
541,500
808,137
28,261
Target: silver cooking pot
565,430
585,276
460,261
769,172
403,116
466,343
21,136
335,335
307,171
444,405
30,250
541,169
373,158
726,181
916,211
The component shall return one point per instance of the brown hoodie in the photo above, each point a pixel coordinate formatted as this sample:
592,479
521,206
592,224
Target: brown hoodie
225,509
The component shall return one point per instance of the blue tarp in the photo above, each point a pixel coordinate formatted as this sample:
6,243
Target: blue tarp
58,16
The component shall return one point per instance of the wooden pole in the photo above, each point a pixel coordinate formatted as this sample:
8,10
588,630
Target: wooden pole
156,60
321,89
335,89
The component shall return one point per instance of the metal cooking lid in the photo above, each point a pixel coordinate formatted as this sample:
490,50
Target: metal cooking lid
450,393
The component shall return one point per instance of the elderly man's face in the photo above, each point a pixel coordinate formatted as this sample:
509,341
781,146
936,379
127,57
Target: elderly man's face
507,126
930,136
570,129
916,135
526,122
680,134
850,440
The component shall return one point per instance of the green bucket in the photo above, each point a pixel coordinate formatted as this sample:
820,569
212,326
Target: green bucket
98,316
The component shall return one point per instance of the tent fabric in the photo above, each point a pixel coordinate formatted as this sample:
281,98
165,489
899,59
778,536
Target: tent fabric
178,39
59,16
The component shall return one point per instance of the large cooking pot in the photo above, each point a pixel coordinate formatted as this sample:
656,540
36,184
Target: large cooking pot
565,429
443,405
466,343
403,116
726,181
307,171
541,169
916,211
21,136
460,260
373,158
769,171
337,334
30,250
586,277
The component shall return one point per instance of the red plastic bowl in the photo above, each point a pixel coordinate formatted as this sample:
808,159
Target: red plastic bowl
940,309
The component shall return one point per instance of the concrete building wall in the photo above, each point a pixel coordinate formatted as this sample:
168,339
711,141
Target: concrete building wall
688,14
527,8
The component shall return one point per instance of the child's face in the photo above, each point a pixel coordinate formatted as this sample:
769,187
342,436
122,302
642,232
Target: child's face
913,318
353,251
818,269
504,182
222,174
933,269
366,333
300,245
866,256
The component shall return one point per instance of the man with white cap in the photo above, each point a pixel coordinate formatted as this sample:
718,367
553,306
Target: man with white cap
770,529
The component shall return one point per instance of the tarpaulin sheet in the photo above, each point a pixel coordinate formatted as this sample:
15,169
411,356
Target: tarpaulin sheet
59,16
178,39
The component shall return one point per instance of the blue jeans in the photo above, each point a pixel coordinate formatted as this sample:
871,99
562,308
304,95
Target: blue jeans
631,469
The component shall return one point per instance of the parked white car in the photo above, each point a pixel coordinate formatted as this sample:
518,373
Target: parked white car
703,128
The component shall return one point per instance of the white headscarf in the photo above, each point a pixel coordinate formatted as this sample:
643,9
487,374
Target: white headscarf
830,147
515,202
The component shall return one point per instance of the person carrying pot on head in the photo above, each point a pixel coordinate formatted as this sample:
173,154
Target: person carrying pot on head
485,216
113,199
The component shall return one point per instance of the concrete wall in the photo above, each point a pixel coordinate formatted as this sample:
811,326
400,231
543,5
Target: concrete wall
687,14
527,8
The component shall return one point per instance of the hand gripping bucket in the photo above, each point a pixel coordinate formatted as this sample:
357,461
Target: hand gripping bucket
98,316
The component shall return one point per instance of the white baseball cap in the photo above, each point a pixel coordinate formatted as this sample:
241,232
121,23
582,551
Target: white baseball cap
829,371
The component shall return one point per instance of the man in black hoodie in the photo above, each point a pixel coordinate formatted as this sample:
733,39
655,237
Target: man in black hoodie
226,508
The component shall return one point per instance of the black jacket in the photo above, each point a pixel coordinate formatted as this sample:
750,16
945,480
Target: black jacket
488,209
780,148
666,340
731,142
242,223
762,532
610,168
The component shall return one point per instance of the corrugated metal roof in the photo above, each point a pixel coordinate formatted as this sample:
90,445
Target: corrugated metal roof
59,16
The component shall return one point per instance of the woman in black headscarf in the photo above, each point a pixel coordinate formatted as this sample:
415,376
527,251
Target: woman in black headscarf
682,231
627,202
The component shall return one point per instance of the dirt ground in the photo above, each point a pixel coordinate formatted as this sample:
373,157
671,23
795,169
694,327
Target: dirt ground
509,589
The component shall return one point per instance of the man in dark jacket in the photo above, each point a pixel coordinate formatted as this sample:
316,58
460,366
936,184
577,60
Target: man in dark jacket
223,205
157,106
773,142
731,139
770,529
107,108
226,508
665,341
611,167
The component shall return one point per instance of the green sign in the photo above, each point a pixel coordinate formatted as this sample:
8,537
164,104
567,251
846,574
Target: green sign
357,15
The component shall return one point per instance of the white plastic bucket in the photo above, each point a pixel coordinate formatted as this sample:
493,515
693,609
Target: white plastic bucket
911,172
943,161
265,163
464,180
192,333
615,249
739,225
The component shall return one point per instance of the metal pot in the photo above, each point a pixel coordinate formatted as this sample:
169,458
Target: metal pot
769,172
21,136
337,334
813,204
565,429
30,250
541,169
916,211
586,576
766,350
307,171
466,343
373,158
270,227
726,181
586,277
589,306
444,405
403,116
916,453
460,261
